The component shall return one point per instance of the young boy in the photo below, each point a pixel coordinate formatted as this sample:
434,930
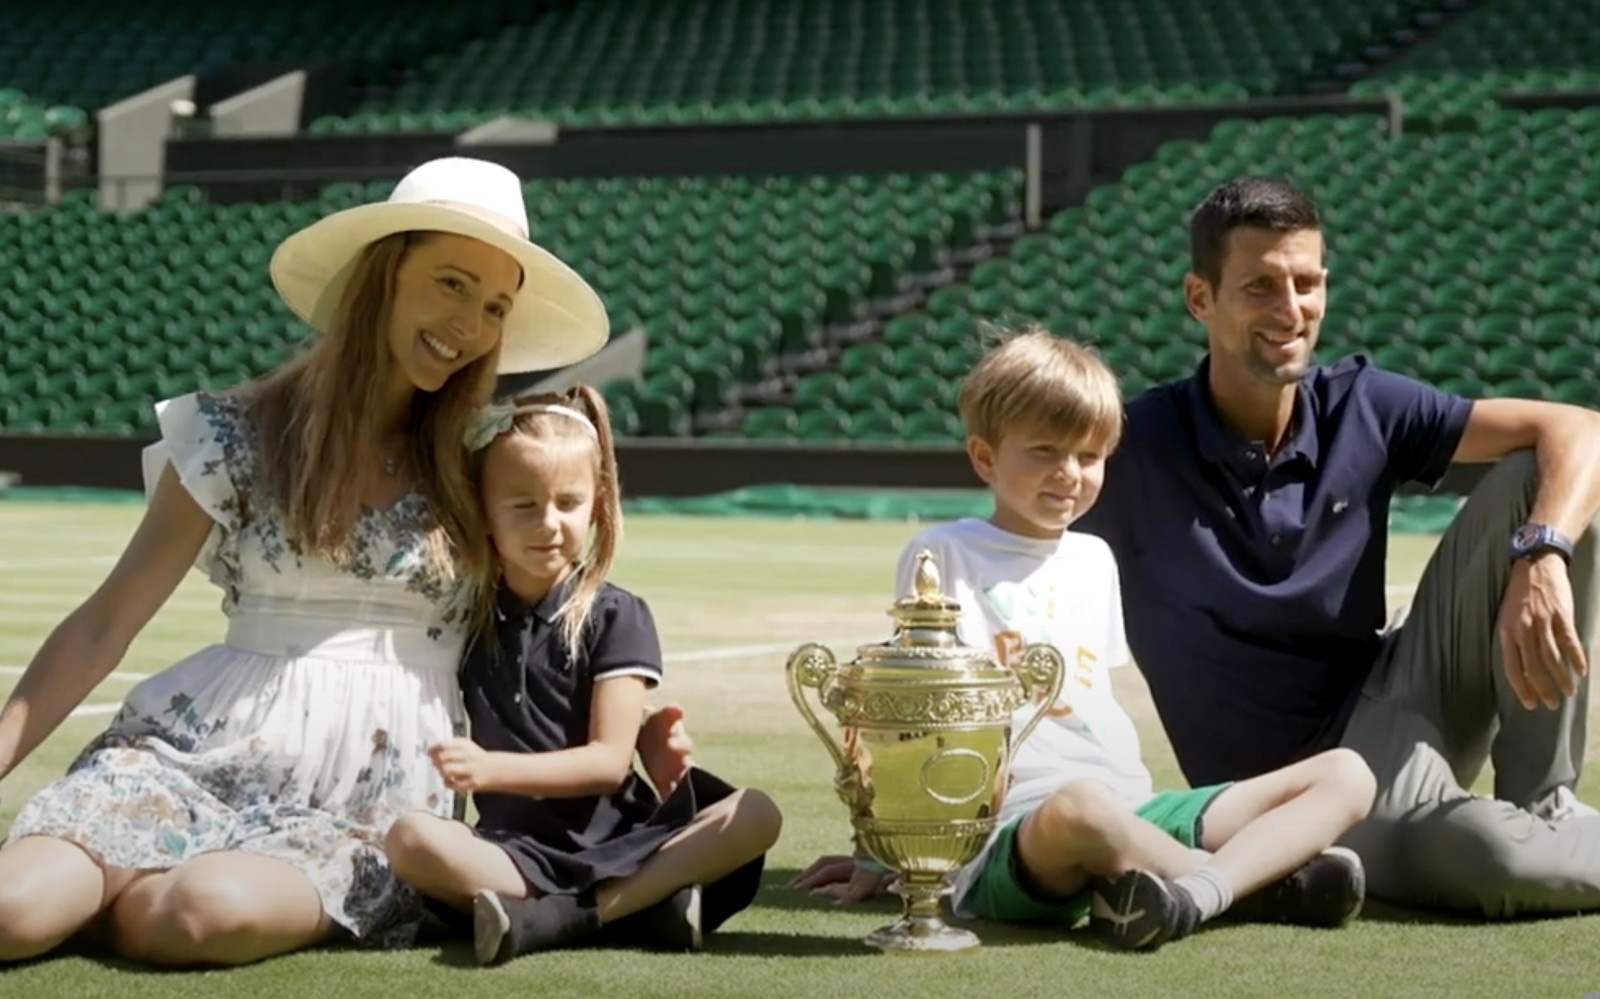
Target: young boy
1081,830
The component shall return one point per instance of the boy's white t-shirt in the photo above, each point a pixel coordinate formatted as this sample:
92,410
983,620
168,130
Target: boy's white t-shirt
1065,592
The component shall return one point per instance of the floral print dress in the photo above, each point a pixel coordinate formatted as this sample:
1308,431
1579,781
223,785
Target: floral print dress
303,735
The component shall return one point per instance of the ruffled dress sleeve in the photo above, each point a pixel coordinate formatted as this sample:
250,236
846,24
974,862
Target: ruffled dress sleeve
203,439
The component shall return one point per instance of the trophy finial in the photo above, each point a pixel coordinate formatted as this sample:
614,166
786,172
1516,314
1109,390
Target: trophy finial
926,606
925,585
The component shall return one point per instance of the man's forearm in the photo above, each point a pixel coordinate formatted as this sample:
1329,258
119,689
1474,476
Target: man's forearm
1568,455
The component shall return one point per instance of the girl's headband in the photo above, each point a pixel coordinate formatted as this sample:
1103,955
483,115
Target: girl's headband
496,418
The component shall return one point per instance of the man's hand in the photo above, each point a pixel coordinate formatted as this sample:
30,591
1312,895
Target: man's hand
465,766
1539,645
839,878
665,748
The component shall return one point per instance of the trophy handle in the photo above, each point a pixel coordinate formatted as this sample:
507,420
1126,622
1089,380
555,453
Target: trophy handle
813,665
1042,670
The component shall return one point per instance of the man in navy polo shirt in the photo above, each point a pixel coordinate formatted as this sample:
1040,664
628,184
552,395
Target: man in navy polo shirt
1248,509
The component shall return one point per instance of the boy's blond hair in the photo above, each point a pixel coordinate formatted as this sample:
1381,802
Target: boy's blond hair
1036,381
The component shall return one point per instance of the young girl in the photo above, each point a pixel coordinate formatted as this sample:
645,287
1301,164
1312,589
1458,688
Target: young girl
569,838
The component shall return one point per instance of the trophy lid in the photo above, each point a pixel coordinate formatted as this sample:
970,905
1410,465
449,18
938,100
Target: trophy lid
925,632
926,606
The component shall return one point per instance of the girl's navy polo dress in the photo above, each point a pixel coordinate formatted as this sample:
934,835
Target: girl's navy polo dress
524,694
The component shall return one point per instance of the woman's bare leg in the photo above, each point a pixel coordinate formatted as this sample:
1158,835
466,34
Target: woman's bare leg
225,908
50,890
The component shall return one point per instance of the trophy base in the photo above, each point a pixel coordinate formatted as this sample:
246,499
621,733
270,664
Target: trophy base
919,936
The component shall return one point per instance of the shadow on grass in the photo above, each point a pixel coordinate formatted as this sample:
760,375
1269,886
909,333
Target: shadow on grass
1378,911
775,895
723,943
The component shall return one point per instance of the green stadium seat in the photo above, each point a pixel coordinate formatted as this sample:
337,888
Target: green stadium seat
1571,362
1444,361
865,358
1562,328
877,425
925,390
1579,392
817,389
934,426
1511,360
868,391
770,423
663,414
824,423
1526,387
1497,328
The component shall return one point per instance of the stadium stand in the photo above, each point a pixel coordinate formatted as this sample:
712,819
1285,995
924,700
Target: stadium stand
113,310
1462,258
832,307
694,61
1496,48
59,63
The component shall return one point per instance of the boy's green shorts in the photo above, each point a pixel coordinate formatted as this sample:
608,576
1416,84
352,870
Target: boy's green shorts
1002,894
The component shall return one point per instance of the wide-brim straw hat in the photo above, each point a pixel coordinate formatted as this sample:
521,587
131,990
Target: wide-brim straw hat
557,319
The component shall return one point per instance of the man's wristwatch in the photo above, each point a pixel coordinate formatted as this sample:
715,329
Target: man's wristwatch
1536,539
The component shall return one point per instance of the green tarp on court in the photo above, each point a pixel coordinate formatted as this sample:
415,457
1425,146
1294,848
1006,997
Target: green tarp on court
1408,515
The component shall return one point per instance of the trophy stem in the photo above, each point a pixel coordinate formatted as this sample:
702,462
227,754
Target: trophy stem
921,928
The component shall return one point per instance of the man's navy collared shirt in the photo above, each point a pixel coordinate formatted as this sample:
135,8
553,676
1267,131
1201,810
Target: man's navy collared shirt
1253,588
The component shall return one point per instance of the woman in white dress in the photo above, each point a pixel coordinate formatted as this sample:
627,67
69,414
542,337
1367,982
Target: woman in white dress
235,808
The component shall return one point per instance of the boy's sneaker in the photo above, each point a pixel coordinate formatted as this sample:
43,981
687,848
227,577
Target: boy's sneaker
1138,910
672,924
1328,890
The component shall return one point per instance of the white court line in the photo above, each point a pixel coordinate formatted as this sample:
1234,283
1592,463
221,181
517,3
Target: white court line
694,655
95,710
645,551
64,560
86,710
130,677
740,651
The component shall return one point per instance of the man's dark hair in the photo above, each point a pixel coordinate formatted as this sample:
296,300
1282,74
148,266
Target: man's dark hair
1247,202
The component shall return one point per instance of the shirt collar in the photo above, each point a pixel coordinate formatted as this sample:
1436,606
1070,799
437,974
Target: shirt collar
513,608
1220,445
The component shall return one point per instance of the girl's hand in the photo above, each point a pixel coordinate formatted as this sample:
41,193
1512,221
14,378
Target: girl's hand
665,748
465,766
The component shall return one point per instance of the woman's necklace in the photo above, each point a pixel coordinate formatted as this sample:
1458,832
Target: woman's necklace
391,465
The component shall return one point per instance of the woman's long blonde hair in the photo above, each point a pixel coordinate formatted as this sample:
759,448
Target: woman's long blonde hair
314,418
589,575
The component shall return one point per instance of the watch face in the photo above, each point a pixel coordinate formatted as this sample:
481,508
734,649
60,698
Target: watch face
1526,537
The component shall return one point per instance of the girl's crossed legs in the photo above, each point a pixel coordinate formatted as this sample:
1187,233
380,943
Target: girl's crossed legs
448,862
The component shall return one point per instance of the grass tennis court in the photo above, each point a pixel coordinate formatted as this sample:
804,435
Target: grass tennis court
732,597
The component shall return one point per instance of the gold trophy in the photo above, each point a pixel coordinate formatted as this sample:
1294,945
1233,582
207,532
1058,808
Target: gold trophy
926,747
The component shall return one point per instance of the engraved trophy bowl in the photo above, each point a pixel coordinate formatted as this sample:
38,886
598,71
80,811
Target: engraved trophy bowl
927,727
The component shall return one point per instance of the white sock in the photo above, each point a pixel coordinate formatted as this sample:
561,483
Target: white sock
1209,889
